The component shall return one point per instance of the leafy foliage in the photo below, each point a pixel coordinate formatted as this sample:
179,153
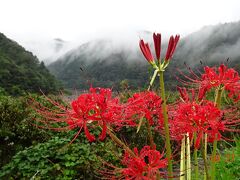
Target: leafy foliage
57,159
16,129
47,157
229,165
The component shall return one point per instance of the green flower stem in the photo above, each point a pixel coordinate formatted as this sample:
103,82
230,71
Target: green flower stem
218,98
195,159
120,143
152,144
183,160
158,176
188,154
125,147
213,160
205,151
166,126
152,79
205,161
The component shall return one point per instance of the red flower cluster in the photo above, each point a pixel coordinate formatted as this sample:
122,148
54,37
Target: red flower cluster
194,118
143,105
94,109
145,165
98,109
97,106
222,77
190,95
228,78
205,118
172,44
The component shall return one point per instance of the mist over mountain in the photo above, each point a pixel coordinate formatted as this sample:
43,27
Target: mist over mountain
99,63
48,50
211,44
106,63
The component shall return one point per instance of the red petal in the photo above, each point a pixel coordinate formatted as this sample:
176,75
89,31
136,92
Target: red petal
149,54
176,39
146,50
170,46
104,132
90,137
157,44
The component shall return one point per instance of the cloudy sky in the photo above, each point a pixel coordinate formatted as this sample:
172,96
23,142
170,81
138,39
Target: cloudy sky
83,20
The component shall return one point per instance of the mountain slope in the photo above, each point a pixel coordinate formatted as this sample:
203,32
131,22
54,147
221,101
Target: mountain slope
105,65
100,65
211,44
20,71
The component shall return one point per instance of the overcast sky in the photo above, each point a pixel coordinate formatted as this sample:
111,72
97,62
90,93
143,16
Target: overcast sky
71,20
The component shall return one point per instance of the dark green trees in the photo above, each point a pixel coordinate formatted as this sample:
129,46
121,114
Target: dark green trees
21,71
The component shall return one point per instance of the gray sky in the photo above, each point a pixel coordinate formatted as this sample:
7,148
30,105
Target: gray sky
72,20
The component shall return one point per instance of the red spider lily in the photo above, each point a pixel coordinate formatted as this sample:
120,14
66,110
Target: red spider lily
228,78
157,44
172,44
173,41
213,77
184,94
96,108
204,118
143,105
145,165
146,51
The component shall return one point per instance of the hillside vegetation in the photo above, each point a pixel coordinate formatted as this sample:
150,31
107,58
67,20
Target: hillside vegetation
21,71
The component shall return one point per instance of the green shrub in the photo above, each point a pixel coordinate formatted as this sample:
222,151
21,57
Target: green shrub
57,159
47,157
229,165
16,129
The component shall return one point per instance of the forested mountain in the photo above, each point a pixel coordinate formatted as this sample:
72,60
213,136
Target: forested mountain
211,44
93,63
102,65
21,71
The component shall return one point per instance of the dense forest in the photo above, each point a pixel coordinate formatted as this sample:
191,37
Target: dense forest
21,71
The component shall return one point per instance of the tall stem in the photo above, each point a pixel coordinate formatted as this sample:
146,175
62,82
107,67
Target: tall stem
152,79
125,147
213,160
188,154
120,143
218,98
152,144
183,160
195,158
205,161
205,152
166,126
